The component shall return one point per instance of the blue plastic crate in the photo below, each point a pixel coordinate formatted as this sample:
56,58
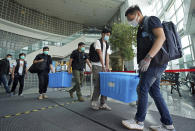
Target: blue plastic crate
119,86
60,80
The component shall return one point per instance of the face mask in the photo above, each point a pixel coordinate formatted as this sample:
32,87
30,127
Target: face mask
83,49
9,58
134,22
22,57
106,38
46,52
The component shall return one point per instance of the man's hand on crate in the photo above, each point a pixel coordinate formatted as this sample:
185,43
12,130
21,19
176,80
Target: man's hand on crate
69,70
103,69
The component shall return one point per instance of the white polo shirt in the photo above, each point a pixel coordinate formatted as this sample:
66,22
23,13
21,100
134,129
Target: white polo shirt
97,45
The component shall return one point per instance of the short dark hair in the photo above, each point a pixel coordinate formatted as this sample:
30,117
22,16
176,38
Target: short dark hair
22,54
106,31
9,55
45,48
132,10
81,44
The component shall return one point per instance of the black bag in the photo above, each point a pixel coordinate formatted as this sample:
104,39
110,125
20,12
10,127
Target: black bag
171,48
93,55
38,67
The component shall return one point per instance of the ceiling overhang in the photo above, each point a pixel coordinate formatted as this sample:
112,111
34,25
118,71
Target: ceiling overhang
87,12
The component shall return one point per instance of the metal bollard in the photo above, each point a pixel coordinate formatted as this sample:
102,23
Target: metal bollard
91,86
91,83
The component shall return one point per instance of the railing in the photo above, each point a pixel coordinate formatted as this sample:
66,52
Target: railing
39,45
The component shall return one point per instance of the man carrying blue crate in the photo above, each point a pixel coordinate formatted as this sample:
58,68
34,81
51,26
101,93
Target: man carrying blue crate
78,61
150,71
99,55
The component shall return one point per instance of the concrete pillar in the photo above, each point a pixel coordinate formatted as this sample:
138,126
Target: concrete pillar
193,45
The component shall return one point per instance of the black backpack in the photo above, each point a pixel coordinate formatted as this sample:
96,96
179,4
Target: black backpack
171,48
93,55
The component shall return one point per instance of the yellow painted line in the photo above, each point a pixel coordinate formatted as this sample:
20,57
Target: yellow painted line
18,114
35,110
8,116
27,112
43,108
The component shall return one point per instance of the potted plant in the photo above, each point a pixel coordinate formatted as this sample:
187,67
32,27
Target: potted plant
122,40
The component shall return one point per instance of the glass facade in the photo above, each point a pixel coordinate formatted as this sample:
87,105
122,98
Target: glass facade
14,44
12,11
174,10
171,10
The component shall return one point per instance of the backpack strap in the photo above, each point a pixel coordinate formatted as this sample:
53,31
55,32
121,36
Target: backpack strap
101,42
146,32
18,65
145,24
107,46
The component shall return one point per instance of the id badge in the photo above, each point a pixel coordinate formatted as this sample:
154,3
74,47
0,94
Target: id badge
145,34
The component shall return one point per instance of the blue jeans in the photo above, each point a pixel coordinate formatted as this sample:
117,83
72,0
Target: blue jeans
3,79
150,83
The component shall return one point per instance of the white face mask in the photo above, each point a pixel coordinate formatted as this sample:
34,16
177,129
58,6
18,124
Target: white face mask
134,22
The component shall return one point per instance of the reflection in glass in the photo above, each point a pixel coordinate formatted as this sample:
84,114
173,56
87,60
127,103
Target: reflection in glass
177,4
180,14
185,41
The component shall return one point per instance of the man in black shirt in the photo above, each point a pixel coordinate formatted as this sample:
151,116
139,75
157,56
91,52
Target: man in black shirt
78,61
4,72
150,71
43,75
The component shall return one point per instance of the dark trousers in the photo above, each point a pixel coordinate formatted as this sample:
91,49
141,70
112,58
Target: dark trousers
3,79
150,84
10,80
78,75
20,79
43,82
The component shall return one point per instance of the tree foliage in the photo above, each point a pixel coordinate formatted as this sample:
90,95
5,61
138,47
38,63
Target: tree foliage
123,39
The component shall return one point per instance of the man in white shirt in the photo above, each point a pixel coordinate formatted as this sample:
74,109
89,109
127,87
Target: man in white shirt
101,65
18,73
58,67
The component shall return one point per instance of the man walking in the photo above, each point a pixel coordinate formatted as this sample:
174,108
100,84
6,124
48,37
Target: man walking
150,71
78,60
43,75
18,73
4,71
103,51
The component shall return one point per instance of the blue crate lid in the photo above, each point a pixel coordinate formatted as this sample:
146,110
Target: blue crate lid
119,73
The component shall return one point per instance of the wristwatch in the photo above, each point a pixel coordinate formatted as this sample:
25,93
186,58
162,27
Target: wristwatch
148,56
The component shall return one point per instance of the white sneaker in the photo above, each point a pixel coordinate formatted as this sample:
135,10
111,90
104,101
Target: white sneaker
45,96
94,105
162,128
133,125
20,95
40,97
105,107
